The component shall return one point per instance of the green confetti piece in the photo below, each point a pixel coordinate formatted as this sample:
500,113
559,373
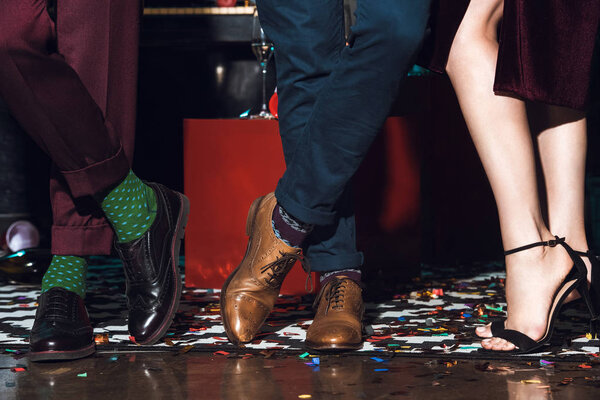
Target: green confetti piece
393,345
493,308
304,355
84,375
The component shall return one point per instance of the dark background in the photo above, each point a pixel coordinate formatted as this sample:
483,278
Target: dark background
202,67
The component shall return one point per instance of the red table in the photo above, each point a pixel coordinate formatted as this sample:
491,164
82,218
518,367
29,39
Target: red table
228,163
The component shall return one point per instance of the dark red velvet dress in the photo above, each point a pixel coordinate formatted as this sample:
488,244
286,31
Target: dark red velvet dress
546,47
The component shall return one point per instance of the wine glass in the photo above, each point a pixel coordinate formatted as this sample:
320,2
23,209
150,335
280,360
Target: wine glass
262,47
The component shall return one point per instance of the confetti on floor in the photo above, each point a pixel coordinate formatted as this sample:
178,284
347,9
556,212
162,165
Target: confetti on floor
433,316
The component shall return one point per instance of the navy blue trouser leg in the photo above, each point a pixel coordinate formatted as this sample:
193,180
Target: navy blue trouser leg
309,37
352,100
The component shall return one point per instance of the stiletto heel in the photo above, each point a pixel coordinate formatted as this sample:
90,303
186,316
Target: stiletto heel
592,296
576,279
585,293
595,281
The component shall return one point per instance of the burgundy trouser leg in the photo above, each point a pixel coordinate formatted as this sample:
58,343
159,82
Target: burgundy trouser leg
52,104
103,50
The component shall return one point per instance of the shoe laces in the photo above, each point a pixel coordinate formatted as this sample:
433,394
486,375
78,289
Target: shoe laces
277,269
335,295
57,306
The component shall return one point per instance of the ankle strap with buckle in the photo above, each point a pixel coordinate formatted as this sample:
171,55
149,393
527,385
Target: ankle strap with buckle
550,243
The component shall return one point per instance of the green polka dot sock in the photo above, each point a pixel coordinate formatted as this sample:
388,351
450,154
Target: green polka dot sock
130,208
67,272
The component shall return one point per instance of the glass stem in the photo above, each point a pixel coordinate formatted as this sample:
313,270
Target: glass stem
264,88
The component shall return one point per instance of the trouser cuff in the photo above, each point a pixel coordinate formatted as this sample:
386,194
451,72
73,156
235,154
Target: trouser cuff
99,176
82,240
328,263
301,213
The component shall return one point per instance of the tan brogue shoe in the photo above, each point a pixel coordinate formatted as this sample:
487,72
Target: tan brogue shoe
251,290
338,319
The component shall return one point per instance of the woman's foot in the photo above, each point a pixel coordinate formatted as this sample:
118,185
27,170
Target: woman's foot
532,278
486,331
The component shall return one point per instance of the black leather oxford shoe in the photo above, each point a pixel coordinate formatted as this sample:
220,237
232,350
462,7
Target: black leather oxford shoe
151,265
62,329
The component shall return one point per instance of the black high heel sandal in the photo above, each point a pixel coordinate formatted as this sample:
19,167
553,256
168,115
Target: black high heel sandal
576,279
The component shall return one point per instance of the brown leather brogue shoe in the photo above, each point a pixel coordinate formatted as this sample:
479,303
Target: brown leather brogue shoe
338,319
251,290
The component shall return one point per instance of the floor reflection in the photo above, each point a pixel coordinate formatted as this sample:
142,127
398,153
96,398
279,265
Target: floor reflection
149,376
246,379
529,387
342,377
129,376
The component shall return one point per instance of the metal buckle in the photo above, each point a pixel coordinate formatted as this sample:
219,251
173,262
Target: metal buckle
555,242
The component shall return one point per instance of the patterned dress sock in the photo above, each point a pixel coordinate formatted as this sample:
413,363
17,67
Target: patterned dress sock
67,272
289,229
130,208
353,274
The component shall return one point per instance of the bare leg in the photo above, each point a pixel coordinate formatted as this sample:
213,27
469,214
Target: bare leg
562,143
500,130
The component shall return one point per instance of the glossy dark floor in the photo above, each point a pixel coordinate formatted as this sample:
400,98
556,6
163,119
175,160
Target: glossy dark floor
156,375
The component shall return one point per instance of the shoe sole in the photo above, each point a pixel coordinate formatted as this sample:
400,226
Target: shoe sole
175,247
62,355
249,224
333,348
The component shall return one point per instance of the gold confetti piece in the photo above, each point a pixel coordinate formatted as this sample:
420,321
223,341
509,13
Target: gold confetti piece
530,381
169,342
268,353
59,371
305,396
101,338
543,387
186,349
